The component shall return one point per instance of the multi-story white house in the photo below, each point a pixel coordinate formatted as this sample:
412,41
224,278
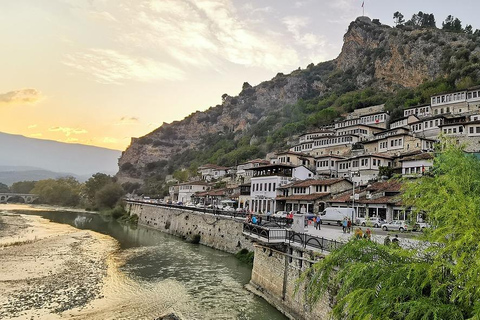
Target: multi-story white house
294,158
363,168
210,172
243,174
403,122
421,111
326,166
266,180
428,127
456,102
309,195
417,164
188,189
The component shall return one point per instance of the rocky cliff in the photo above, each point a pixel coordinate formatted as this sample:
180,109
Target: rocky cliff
373,56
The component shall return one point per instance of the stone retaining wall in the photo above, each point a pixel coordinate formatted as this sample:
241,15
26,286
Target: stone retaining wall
219,232
274,277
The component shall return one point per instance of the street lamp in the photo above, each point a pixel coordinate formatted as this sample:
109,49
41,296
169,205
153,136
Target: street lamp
353,174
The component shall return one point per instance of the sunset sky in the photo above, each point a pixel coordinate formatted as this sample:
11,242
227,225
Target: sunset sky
99,72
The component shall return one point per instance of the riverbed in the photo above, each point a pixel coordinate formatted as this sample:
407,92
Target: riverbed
57,264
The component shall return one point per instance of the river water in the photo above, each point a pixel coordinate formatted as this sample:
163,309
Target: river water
211,280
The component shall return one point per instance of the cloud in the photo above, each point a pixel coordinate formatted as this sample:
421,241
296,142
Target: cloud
295,25
200,33
112,67
125,121
68,131
22,96
32,126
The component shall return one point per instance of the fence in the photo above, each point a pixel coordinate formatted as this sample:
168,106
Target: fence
276,235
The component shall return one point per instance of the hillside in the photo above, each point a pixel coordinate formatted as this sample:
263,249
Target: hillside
54,156
378,64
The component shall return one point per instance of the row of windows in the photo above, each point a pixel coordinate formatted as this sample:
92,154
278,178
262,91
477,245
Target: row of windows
324,142
454,130
449,97
476,129
362,162
353,131
324,163
447,110
376,118
301,190
383,145
396,142
319,189
413,170
346,123
421,111
264,186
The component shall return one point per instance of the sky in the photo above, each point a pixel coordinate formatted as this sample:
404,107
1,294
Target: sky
99,72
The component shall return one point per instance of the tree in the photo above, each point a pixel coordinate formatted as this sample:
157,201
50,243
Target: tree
95,183
422,20
437,280
468,29
4,187
398,18
23,186
452,24
109,195
61,191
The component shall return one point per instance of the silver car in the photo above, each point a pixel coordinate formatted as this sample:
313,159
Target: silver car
395,225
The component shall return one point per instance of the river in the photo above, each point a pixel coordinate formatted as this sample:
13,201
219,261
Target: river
212,280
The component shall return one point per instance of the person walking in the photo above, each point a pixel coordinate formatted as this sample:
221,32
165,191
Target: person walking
344,225
319,222
349,225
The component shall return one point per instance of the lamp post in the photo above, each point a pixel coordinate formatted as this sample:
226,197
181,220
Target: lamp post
352,174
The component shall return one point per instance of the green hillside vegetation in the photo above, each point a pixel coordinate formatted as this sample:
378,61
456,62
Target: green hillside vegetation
277,130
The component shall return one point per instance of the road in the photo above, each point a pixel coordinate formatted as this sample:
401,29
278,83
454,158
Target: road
378,235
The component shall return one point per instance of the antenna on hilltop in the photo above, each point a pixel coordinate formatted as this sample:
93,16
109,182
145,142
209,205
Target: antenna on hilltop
363,8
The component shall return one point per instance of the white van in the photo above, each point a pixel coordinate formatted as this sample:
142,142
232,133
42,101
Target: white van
334,215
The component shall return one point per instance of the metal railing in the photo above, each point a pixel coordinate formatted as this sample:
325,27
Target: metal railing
276,235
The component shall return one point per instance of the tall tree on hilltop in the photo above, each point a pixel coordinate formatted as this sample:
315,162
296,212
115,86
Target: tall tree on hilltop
436,280
452,24
398,18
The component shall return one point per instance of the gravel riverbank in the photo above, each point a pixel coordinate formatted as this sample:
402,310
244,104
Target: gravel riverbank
48,268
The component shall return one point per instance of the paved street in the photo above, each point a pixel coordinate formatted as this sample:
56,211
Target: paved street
378,235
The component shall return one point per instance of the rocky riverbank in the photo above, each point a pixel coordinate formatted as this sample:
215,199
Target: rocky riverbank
55,271
48,268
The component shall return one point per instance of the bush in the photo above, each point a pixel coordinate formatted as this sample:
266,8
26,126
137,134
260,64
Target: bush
245,256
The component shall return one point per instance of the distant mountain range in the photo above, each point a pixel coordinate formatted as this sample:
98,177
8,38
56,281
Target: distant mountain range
23,158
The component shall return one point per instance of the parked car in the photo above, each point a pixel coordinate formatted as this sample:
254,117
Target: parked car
395,225
420,226
370,222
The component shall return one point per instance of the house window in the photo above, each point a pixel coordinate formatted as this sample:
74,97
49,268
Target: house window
471,129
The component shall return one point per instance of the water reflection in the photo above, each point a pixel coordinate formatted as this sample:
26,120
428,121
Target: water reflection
210,280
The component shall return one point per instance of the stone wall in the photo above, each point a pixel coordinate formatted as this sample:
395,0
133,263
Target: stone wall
222,233
274,277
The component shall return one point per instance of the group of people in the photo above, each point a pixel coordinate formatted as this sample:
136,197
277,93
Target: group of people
254,219
346,225
359,234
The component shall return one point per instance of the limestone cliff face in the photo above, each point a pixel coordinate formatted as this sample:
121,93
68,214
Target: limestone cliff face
372,55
